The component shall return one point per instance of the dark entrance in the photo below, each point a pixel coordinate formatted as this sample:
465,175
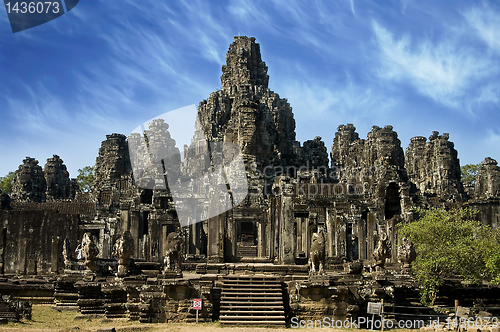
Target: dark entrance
247,239
392,201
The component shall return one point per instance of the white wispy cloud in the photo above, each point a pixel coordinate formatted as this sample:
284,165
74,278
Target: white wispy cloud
336,102
353,10
491,143
444,70
41,112
486,24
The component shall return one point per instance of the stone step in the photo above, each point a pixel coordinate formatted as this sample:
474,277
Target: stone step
252,312
254,323
250,317
250,276
247,298
253,299
251,284
270,305
258,291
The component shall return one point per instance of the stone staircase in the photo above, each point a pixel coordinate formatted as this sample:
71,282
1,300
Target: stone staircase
252,300
247,251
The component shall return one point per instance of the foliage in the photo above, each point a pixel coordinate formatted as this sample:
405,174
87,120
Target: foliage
85,178
452,243
469,172
6,183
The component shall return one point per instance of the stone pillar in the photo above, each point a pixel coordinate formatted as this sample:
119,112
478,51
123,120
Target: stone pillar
215,239
125,221
231,238
163,240
299,234
21,269
287,237
391,234
277,229
146,242
217,228
330,233
105,246
371,226
340,236
269,235
3,248
362,239
305,236
260,239
134,231
55,254
191,246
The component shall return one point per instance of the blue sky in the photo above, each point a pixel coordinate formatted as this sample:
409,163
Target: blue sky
109,65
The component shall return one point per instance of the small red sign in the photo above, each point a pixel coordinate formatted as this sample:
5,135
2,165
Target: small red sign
197,304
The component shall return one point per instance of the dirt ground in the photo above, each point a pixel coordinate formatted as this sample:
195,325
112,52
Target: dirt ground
44,318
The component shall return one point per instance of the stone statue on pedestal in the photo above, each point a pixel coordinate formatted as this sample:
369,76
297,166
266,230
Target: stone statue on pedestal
90,252
406,255
317,254
173,253
382,251
124,249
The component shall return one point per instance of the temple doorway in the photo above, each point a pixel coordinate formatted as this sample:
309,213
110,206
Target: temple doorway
392,201
246,235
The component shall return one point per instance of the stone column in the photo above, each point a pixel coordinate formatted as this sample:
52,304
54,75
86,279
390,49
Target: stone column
269,235
273,226
3,238
330,233
299,234
370,229
277,230
134,231
163,240
191,246
362,239
287,237
125,221
260,240
54,255
391,234
231,238
21,268
215,247
340,237
105,246
306,236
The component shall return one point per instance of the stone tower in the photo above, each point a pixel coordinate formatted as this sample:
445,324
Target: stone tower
433,167
29,183
488,180
112,163
57,178
315,154
247,113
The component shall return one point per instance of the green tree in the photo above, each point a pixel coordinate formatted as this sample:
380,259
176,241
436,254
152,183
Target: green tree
452,243
6,183
469,172
85,178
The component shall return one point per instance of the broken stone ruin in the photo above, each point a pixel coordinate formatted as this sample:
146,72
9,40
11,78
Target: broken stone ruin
313,235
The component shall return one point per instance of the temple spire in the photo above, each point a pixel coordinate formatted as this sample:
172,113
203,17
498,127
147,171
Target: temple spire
244,65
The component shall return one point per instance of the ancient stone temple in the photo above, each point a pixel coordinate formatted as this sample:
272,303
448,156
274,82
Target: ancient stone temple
247,113
29,183
304,216
433,167
57,179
